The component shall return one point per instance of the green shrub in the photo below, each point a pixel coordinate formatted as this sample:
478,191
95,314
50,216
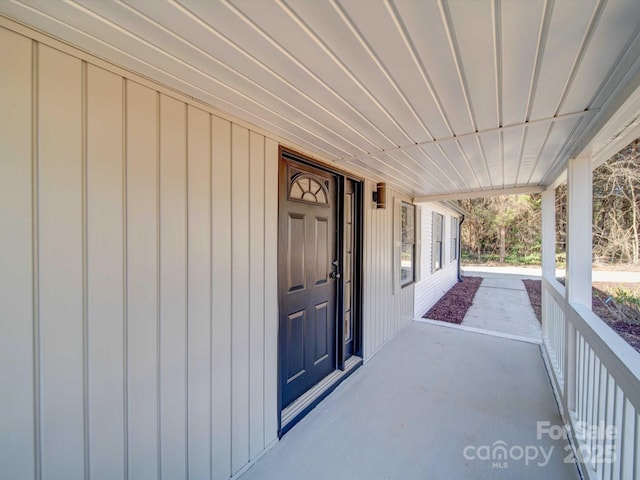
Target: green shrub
625,304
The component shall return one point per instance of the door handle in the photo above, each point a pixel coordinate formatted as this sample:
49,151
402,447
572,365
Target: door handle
335,275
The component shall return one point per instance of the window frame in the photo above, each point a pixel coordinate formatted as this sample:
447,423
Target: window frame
455,227
404,243
435,241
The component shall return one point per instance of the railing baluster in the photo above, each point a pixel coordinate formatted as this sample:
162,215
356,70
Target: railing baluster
618,422
628,439
590,392
600,441
636,452
593,419
570,360
563,337
579,372
583,382
609,420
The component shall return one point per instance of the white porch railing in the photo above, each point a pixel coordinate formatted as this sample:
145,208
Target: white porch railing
596,377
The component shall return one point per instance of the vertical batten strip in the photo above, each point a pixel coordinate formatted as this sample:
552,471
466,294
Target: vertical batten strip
35,211
199,431
187,322
270,372
125,287
85,313
17,263
172,326
256,293
104,263
60,220
221,280
142,281
158,292
210,290
240,289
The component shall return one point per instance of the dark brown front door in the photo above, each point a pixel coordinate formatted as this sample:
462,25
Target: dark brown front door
307,287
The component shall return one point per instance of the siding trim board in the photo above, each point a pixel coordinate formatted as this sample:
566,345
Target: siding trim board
139,311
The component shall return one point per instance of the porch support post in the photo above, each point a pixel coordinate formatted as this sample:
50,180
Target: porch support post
579,231
549,234
579,261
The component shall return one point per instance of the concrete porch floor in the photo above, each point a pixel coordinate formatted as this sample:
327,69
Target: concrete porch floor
432,404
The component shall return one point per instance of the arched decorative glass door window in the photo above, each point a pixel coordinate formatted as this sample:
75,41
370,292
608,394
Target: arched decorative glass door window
307,188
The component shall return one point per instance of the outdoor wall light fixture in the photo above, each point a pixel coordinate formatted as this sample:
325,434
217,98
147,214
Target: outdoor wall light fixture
380,195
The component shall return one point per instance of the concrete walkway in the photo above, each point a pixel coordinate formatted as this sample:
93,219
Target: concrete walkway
607,276
502,306
434,403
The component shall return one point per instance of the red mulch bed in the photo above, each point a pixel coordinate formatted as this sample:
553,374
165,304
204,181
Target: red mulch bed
628,331
534,290
455,303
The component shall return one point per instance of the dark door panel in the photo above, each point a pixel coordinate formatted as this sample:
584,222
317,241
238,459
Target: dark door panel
307,248
295,252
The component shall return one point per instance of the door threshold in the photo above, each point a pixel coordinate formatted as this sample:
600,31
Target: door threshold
303,405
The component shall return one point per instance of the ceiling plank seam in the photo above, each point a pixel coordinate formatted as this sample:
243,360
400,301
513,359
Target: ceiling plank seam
497,49
429,175
348,21
402,30
202,73
240,74
584,45
462,78
543,35
566,116
331,54
307,70
620,68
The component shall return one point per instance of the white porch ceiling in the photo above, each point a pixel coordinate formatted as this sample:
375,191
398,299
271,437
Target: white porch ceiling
436,97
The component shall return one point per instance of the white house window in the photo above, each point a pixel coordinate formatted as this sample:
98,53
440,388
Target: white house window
408,237
454,238
438,224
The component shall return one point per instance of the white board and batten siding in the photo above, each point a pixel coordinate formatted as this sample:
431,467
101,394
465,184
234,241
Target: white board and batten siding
138,290
433,285
138,275
387,308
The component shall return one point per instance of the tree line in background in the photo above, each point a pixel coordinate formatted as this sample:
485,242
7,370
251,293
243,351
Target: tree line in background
506,229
